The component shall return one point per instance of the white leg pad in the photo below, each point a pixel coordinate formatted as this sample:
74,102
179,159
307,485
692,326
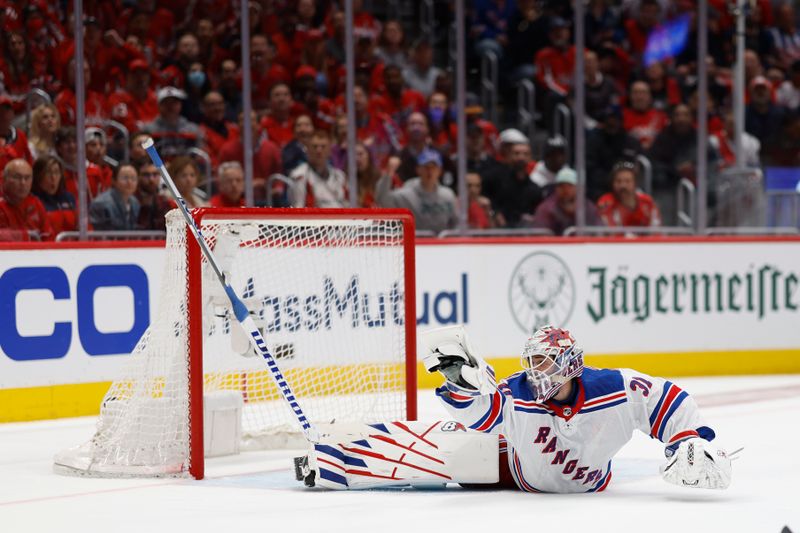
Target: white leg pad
405,453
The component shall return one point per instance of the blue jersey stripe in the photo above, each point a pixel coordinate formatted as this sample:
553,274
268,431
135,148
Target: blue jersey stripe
664,391
675,404
532,410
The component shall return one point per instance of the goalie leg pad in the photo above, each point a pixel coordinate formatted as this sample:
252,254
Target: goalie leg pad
405,453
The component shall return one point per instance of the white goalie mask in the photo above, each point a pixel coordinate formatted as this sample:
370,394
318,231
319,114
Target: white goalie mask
550,358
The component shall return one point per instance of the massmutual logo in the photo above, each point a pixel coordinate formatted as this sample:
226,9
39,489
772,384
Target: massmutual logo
541,291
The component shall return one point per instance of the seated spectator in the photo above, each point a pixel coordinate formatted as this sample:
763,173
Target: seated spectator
640,119
216,130
558,211
153,207
490,26
117,209
45,122
176,66
186,175
21,213
480,214
506,140
265,72
433,205
673,155
136,104
230,179
136,154
664,89
788,94
266,155
785,36
368,176
421,75
67,153
96,154
513,193
443,128
527,34
391,45
13,142
282,110
397,101
197,86
762,118
626,205
48,186
321,110
20,68
418,140
638,29
375,129
600,91
554,158
66,101
228,87
173,134
605,145
723,142
317,183
478,159
474,112
555,65
295,152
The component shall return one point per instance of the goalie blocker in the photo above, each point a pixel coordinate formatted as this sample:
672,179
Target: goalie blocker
555,426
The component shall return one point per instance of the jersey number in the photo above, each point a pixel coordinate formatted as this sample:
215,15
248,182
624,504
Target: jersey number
643,384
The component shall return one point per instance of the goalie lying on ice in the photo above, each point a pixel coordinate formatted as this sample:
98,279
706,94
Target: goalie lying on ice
552,427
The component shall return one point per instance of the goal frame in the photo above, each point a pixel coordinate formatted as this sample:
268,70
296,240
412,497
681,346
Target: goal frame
195,303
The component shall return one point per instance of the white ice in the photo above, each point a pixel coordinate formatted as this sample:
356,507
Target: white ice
256,491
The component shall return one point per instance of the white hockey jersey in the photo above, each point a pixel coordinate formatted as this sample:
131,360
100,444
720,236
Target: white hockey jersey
554,447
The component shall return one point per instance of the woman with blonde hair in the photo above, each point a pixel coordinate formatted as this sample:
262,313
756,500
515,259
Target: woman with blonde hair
45,122
186,175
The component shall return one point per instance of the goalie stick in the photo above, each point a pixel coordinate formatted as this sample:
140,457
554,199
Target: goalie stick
239,308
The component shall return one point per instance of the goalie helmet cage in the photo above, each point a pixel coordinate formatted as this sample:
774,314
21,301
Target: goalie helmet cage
332,291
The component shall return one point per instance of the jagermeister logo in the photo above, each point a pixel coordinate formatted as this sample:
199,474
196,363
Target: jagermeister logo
541,291
760,290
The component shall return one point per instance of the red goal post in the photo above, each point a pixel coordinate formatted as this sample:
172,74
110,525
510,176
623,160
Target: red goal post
332,291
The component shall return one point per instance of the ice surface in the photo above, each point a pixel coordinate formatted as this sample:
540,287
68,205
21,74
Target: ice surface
256,491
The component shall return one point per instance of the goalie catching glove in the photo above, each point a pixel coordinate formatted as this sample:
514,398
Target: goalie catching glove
447,350
698,463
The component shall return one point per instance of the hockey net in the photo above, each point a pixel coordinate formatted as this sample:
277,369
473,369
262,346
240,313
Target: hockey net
332,292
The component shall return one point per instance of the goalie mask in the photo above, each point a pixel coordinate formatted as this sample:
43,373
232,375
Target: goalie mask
550,358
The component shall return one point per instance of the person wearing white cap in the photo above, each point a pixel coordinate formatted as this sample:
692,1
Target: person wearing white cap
555,157
171,131
558,211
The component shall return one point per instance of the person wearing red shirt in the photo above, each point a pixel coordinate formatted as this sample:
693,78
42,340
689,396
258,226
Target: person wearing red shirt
13,142
555,64
625,205
96,150
66,101
67,152
21,212
48,186
264,71
136,105
266,155
321,110
161,22
231,186
216,129
397,101
479,214
640,119
282,110
375,129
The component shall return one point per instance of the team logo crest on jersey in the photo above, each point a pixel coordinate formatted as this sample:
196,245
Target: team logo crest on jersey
541,291
453,426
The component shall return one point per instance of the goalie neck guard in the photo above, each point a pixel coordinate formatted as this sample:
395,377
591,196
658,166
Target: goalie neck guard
551,357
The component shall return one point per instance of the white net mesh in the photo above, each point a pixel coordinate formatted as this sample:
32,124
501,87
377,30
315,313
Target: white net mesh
328,295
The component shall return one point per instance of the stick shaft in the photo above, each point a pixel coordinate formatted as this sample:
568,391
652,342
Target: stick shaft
239,309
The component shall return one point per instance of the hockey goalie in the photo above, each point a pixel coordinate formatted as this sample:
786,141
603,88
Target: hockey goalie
552,427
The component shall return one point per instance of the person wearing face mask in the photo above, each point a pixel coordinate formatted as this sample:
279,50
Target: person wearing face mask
197,87
443,129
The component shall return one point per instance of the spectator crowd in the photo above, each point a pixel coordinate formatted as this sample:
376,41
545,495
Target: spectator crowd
170,70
